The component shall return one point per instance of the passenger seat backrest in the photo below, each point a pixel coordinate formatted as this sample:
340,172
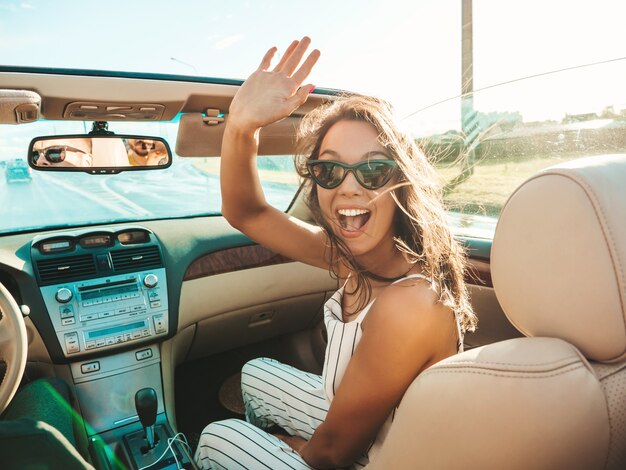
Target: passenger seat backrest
558,265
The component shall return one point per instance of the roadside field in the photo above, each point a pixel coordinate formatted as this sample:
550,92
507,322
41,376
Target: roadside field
488,188
483,193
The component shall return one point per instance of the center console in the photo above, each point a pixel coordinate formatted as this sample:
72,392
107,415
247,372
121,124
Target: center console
106,297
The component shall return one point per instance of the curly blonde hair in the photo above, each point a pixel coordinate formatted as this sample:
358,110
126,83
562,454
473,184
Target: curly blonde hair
421,229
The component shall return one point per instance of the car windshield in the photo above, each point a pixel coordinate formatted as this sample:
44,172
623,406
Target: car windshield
536,91
190,187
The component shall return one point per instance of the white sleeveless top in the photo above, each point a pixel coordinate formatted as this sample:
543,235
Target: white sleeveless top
342,340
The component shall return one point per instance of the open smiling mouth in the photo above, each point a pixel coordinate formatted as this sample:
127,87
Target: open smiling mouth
352,220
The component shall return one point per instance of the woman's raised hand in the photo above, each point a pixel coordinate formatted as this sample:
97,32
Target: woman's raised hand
267,95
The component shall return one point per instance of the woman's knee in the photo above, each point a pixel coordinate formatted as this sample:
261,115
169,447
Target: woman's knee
214,440
251,371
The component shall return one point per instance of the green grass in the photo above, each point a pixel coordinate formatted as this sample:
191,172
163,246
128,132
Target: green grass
486,191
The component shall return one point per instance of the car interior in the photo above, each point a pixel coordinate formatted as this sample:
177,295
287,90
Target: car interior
147,319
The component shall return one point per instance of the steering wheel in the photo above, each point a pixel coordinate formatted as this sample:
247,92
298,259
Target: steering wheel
13,346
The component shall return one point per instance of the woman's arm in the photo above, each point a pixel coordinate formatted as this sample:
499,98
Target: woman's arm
267,96
405,332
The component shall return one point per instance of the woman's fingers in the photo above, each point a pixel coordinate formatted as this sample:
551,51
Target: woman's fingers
286,55
295,57
300,96
267,59
305,68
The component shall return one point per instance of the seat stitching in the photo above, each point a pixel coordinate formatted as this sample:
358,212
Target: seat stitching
568,369
452,364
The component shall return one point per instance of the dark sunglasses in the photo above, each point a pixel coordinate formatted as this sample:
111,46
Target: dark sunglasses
371,174
55,154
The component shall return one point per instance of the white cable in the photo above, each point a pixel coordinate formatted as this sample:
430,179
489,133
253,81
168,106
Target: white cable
169,447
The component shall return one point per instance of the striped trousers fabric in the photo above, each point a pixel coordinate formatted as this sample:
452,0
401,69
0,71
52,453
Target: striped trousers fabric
273,394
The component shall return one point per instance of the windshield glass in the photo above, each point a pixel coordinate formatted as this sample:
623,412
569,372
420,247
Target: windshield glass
32,200
543,85
504,140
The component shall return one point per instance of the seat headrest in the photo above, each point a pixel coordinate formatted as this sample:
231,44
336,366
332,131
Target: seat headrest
558,260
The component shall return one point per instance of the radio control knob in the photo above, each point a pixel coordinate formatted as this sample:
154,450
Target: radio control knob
64,295
150,281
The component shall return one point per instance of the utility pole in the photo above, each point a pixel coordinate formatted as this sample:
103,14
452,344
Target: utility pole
469,121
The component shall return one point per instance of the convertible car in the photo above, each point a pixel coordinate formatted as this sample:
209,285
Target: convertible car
129,304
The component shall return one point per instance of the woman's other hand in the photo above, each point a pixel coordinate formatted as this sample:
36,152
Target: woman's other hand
295,442
268,96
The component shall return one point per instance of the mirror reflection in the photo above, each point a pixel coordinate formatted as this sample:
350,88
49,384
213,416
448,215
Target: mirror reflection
87,152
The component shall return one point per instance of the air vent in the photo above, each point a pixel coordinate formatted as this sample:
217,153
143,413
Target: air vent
136,259
65,269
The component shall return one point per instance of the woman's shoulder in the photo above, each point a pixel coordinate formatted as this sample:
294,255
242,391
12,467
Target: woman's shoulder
412,304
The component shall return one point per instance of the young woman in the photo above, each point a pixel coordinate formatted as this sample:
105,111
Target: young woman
402,304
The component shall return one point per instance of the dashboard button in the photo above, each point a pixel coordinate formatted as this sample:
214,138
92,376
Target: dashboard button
143,354
64,295
104,262
155,304
89,367
68,321
90,344
71,342
150,281
100,343
66,311
159,324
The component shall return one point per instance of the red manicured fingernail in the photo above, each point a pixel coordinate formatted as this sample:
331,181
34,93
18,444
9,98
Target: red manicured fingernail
311,90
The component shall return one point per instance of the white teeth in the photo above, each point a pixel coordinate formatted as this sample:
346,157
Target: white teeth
352,212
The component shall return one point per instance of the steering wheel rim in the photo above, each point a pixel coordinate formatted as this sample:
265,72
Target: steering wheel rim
13,346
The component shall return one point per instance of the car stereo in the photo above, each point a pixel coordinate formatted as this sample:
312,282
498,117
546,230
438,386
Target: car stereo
103,297
106,312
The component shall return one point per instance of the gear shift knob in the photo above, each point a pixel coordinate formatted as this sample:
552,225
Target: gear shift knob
146,405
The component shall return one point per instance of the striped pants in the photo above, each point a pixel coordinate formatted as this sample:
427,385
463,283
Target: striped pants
273,393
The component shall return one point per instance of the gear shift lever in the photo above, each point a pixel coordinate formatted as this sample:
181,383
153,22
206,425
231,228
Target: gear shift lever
146,405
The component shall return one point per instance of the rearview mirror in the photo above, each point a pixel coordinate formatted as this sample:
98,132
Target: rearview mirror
99,154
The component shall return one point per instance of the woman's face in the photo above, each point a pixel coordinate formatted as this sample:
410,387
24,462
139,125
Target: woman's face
361,218
78,154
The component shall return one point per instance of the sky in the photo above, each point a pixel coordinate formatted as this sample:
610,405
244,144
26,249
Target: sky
405,51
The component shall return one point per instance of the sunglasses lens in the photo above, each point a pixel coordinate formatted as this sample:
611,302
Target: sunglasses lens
327,174
55,155
373,175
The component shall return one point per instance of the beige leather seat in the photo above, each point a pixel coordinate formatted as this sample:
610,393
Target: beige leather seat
556,399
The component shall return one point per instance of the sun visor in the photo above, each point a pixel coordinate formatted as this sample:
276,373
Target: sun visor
19,106
199,136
